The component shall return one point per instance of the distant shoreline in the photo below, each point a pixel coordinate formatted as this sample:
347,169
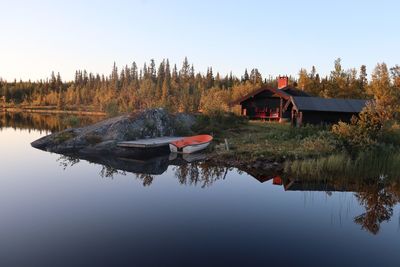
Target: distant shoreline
50,110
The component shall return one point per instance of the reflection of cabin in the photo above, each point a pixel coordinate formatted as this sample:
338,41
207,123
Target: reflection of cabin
286,102
267,103
290,184
318,186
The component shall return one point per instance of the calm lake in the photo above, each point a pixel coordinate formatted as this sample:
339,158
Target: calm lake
63,211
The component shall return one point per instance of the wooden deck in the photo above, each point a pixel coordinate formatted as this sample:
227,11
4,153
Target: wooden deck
150,142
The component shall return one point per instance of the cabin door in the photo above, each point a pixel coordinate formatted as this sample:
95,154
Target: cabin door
299,119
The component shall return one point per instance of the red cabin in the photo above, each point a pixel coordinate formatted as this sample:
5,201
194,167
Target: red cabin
268,103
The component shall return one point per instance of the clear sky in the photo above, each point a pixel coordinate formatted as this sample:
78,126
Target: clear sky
277,37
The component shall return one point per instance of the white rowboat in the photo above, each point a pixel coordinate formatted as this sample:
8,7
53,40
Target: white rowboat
191,144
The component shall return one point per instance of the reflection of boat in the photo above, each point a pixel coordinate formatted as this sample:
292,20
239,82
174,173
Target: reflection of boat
191,144
187,158
194,157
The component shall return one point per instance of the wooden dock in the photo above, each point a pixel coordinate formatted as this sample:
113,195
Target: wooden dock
150,142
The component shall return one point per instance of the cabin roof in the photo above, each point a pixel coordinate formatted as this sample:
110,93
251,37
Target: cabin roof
327,104
284,93
293,91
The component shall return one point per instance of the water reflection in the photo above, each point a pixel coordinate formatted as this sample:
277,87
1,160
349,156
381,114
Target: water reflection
373,178
44,122
377,195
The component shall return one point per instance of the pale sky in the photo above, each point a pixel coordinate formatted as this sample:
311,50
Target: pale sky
277,37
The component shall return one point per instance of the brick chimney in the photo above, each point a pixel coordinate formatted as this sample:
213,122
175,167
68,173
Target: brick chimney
283,81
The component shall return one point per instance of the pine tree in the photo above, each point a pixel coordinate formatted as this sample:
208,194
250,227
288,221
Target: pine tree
217,81
160,79
60,102
246,76
395,72
337,87
386,98
152,71
363,76
53,81
380,82
166,86
134,71
185,86
114,78
209,78
145,72
184,72
304,80
255,77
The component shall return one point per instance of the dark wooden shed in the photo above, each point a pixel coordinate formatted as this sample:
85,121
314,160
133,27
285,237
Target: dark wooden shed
317,110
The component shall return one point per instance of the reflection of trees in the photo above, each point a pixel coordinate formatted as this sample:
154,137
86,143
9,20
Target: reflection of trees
105,172
67,161
109,172
378,201
44,122
199,174
196,173
146,178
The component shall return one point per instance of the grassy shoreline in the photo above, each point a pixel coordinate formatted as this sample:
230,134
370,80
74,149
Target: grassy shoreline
252,141
271,145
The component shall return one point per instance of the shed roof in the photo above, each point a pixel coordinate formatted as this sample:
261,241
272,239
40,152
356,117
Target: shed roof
328,104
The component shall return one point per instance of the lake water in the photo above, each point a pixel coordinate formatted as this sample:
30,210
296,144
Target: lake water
61,211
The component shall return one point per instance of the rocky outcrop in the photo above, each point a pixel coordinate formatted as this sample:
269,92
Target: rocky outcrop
102,137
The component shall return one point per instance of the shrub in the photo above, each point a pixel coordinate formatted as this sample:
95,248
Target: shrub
72,121
217,123
391,134
362,132
111,108
181,128
214,102
324,142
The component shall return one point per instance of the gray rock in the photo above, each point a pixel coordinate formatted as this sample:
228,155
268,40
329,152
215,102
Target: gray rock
102,137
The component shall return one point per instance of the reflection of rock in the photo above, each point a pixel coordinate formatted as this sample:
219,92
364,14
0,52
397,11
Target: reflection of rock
154,165
103,136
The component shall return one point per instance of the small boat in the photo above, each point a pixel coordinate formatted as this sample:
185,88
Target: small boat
190,144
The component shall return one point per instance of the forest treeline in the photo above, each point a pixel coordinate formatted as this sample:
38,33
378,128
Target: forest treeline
183,89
